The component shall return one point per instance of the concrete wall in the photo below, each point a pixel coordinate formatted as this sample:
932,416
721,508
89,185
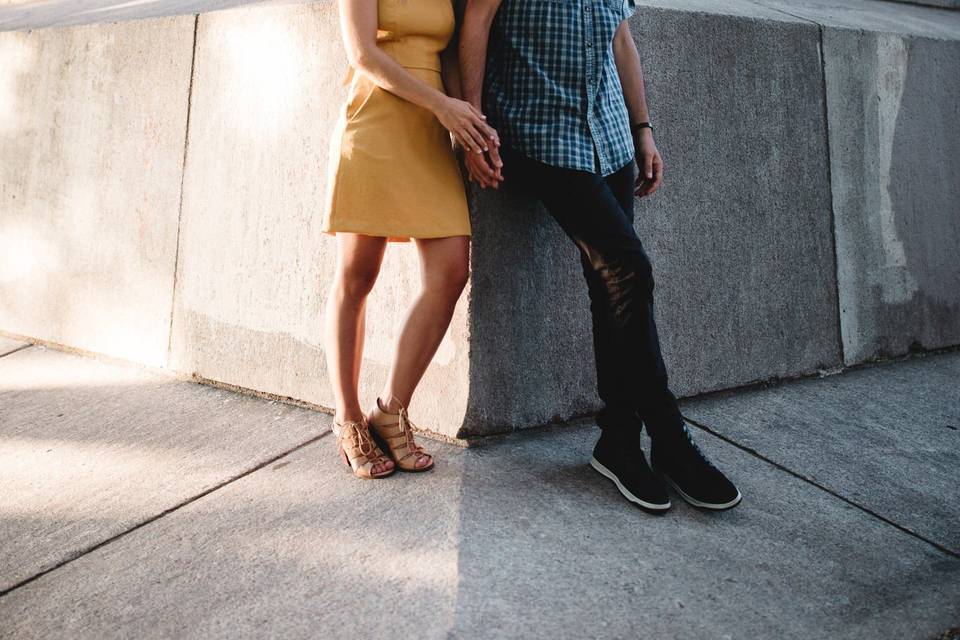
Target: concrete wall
893,105
92,123
777,164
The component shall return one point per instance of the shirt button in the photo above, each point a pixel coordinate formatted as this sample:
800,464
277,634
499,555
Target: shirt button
589,44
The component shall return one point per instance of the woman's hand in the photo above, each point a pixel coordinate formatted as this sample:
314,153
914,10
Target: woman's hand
650,163
468,126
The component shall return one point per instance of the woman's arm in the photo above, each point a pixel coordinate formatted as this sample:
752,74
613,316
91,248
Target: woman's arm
358,23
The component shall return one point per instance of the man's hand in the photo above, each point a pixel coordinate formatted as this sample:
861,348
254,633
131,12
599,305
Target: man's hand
649,162
485,168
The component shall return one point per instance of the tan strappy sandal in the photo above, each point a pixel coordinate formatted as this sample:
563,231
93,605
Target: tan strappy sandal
395,429
359,451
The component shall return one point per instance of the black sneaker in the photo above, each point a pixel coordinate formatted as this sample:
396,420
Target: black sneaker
624,463
684,466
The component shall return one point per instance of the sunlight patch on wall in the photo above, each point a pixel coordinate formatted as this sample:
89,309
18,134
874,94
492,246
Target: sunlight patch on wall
23,252
265,77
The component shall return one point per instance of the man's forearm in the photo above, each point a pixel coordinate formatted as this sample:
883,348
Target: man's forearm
450,73
474,35
631,74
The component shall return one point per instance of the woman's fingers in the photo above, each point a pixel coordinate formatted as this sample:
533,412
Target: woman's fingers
476,111
466,142
489,132
479,144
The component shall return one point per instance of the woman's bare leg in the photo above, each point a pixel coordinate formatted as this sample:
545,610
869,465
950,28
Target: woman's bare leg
444,269
358,263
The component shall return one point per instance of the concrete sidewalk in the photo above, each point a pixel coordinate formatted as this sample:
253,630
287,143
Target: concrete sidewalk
138,505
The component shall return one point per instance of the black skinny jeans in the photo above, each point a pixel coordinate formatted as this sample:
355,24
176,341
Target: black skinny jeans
596,212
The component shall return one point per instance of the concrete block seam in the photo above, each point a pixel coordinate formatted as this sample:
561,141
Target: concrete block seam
183,173
833,216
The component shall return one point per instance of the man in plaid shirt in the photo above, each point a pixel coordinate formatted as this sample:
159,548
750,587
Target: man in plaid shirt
562,83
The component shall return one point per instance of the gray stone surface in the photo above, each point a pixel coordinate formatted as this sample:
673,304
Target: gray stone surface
947,4
92,125
254,268
9,344
740,235
895,151
518,540
89,449
887,437
869,15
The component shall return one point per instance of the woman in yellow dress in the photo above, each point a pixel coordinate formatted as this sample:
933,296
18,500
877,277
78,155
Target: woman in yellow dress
394,177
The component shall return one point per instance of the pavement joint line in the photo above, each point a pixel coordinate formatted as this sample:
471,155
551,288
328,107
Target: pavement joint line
83,552
943,549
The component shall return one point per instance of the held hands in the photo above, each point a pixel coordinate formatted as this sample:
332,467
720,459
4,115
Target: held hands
486,169
650,163
468,126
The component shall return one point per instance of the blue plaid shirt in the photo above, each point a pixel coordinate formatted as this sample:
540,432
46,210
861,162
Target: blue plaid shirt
551,87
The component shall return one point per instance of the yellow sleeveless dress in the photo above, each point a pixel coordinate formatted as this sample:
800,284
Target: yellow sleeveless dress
392,171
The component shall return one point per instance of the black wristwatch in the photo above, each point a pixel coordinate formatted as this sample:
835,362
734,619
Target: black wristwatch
640,125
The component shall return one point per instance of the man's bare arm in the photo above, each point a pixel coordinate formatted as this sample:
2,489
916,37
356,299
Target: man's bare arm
630,70
450,72
474,35
631,74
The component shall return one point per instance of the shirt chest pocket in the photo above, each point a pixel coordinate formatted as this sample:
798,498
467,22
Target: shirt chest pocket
616,11
607,16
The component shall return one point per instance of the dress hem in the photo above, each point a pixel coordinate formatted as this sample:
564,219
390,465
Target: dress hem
398,237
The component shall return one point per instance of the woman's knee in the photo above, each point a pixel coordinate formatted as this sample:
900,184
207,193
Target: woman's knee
447,279
458,276
357,280
446,269
450,279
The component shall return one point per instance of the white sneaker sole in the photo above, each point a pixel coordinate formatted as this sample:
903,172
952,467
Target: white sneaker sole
697,503
602,470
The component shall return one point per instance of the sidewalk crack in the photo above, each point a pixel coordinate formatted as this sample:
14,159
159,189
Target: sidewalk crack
825,489
90,549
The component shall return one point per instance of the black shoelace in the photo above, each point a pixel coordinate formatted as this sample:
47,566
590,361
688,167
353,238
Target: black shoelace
696,450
